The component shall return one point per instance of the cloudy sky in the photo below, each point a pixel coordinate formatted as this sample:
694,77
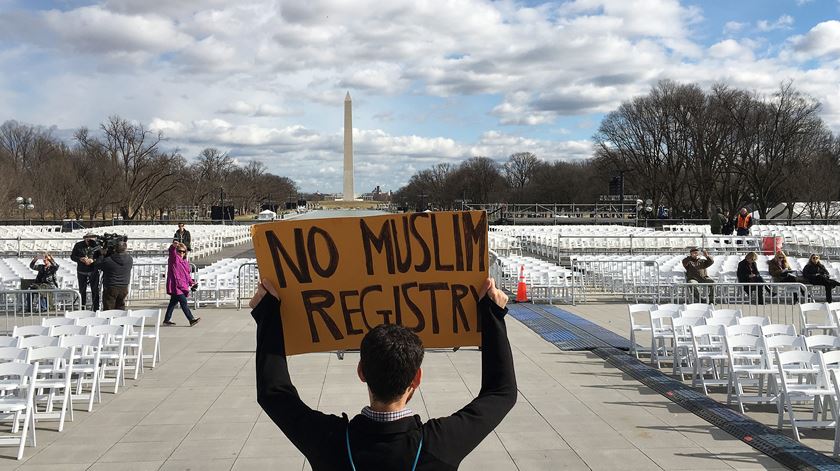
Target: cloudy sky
432,80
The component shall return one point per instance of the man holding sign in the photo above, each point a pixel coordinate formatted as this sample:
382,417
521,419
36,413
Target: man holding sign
437,303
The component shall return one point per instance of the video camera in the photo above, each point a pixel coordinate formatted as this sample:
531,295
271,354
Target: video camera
108,242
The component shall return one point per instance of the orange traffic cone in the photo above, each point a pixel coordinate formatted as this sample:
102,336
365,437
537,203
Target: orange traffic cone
521,288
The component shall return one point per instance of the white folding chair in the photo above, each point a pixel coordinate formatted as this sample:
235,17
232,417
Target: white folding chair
134,331
822,343
54,321
86,365
111,313
791,368
662,331
682,344
736,330
6,341
18,400
30,330
89,321
62,330
53,374
112,354
38,341
754,320
747,368
772,330
79,314
152,320
834,371
634,310
816,316
709,356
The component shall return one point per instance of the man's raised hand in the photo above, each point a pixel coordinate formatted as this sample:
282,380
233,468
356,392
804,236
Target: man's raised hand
496,295
265,286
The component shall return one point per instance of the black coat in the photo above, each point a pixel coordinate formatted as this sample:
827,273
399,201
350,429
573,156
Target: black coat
183,238
82,250
384,445
116,269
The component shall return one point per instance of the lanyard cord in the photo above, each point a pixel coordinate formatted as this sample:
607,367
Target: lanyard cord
350,454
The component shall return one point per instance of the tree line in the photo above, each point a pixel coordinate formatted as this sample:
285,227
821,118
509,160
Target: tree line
685,148
122,170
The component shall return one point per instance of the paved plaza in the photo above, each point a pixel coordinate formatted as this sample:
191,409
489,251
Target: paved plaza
198,411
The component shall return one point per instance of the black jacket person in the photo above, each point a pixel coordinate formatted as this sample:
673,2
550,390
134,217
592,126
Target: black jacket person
116,276
391,439
84,253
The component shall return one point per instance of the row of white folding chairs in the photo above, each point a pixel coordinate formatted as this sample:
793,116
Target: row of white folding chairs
45,369
151,316
128,333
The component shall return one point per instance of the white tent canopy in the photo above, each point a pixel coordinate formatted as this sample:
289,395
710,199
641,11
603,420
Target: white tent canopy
267,215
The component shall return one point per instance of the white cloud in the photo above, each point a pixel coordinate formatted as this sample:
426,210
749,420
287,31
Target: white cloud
821,41
783,22
733,27
266,78
95,30
731,49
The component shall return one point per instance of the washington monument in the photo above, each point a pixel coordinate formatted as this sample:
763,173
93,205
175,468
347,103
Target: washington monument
349,195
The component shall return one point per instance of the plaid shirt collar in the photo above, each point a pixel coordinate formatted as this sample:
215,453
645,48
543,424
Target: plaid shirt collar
386,416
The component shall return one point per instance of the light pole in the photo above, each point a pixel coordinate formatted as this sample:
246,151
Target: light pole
24,204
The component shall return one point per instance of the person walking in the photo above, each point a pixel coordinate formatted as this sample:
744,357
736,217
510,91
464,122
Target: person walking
116,276
179,283
815,273
84,253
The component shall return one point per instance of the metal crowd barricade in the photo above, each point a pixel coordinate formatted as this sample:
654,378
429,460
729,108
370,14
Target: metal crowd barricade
780,299
630,279
248,279
148,283
29,306
642,243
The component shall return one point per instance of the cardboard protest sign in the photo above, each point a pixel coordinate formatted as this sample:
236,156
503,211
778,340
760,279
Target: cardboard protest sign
340,277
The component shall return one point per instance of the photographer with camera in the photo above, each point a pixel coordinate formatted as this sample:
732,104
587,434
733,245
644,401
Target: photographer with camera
45,279
116,274
84,254
179,284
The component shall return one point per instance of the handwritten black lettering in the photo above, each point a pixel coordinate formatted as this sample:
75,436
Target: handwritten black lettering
423,266
348,311
381,243
436,247
311,306
459,253
412,306
300,269
403,264
432,288
332,252
459,292
475,234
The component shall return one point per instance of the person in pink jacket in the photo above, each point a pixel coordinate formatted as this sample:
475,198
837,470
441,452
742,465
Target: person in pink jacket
179,283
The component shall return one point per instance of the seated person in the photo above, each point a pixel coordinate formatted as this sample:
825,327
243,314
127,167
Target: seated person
815,273
45,279
386,435
695,271
748,273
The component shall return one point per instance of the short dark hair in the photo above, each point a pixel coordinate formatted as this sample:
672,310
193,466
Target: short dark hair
390,358
122,247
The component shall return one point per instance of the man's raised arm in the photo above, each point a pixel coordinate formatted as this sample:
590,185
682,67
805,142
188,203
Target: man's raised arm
275,393
455,436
